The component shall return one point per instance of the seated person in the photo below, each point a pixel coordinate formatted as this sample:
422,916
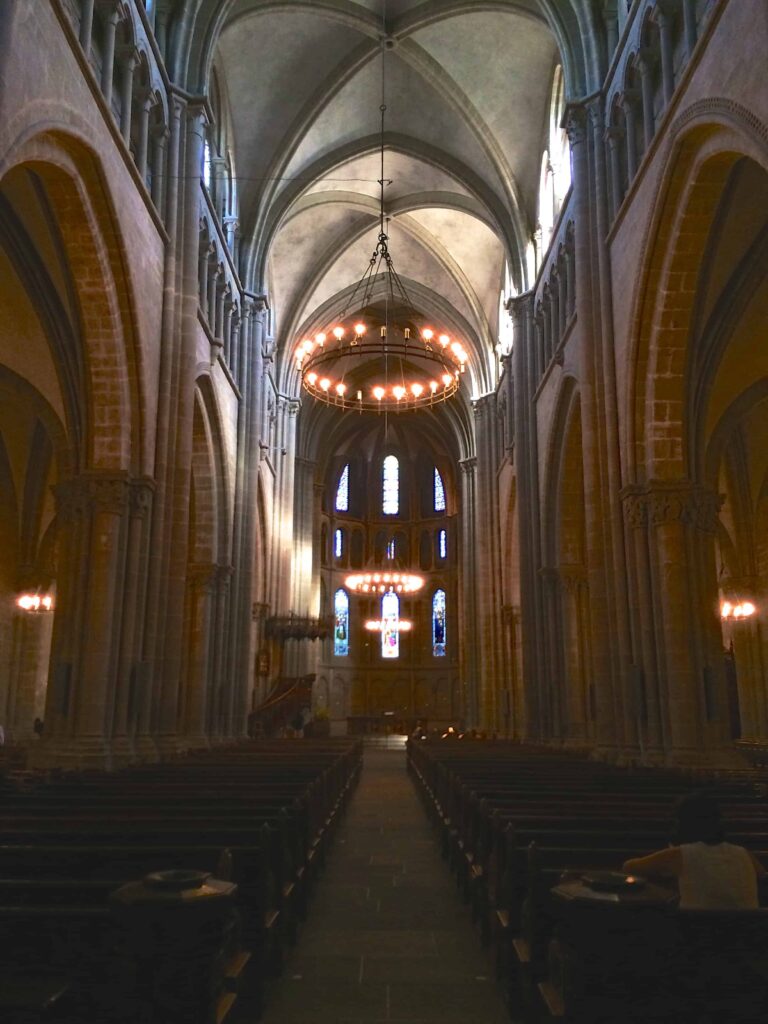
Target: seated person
711,873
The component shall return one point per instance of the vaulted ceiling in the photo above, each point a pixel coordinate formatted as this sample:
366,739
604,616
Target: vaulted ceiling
467,91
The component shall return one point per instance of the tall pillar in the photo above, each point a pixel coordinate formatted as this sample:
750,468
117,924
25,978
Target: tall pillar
628,106
142,151
195,696
470,647
689,22
160,136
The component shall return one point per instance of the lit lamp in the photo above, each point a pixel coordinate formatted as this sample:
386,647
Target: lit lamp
35,602
381,582
736,610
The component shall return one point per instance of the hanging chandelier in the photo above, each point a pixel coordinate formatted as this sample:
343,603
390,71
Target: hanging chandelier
382,582
370,360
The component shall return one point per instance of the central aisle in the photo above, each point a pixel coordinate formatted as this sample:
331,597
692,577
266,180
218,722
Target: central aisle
388,938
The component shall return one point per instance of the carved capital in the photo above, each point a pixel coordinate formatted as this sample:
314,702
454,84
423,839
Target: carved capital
141,495
661,502
575,124
93,492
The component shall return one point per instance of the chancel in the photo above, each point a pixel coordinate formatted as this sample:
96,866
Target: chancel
372,370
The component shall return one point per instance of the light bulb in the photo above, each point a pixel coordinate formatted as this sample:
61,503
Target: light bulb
312,378
427,333
338,333
307,345
726,609
447,379
325,383
748,607
378,393
47,602
359,329
455,348
320,338
444,339
398,391
416,390
433,386
340,389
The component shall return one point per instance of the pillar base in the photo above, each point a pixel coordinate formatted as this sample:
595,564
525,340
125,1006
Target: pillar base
72,753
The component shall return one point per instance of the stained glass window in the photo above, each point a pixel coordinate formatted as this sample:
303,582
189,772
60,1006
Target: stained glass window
342,491
390,633
391,549
438,624
391,486
341,628
338,543
439,492
442,544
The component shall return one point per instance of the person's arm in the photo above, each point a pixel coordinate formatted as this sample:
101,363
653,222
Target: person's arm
666,863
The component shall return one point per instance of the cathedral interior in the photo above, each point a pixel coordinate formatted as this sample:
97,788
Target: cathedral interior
376,365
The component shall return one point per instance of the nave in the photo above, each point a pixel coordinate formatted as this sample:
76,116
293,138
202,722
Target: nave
388,937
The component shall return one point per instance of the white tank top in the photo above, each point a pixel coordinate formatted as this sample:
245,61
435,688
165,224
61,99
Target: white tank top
717,877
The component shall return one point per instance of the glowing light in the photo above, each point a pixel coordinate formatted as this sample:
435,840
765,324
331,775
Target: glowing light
320,338
312,378
433,386
739,610
378,625
456,348
406,583
325,383
359,329
35,602
447,379
427,334
416,390
378,393
444,339
338,333
398,391
340,389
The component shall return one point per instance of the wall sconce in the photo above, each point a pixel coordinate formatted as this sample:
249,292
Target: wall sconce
35,602
730,610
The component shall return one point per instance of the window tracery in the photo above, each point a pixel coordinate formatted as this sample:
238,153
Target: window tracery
438,624
439,503
390,633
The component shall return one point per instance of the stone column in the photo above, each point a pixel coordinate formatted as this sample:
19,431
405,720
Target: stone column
628,106
142,152
133,677
575,605
160,136
128,66
689,21
92,517
194,698
678,513
86,26
613,138
469,663
108,52
667,65
646,88
487,570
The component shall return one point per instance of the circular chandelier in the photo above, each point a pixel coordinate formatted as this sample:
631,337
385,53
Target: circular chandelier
367,361
381,582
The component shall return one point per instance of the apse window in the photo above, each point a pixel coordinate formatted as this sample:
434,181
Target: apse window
338,543
207,165
342,491
442,544
439,492
341,625
438,624
391,486
391,549
390,626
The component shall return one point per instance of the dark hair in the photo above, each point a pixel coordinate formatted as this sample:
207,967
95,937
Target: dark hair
697,820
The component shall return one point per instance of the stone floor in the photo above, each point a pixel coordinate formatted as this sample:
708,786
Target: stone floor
388,938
